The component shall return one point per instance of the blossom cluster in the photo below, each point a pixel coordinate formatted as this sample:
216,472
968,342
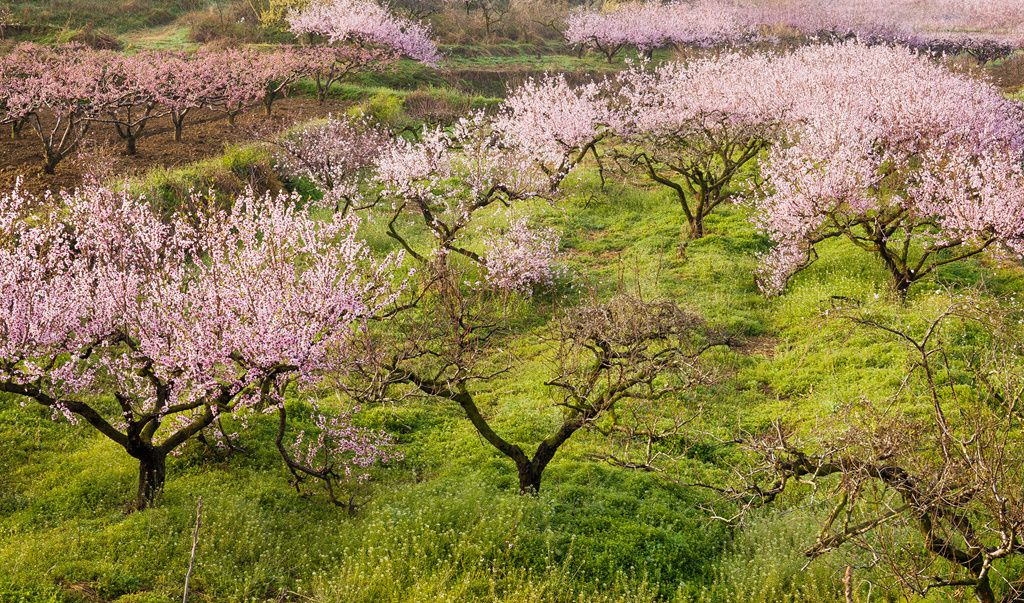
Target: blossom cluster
177,317
366,22
553,121
338,447
334,155
522,257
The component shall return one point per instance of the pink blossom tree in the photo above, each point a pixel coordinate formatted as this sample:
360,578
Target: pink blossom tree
695,127
364,22
149,330
236,80
52,90
554,123
188,85
445,179
337,156
279,69
986,29
608,33
128,92
894,153
524,150
328,65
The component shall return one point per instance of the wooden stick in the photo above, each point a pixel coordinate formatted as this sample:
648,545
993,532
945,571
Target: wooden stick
195,545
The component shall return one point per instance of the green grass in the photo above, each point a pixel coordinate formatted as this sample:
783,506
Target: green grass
445,523
166,37
114,16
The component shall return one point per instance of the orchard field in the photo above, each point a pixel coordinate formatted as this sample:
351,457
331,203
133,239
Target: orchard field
511,300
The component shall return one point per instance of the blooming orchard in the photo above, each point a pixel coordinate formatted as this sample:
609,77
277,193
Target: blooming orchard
174,322
650,25
986,29
62,91
178,322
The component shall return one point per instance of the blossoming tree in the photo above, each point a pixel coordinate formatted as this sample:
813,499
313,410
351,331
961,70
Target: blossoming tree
524,151
364,22
337,156
694,127
51,89
149,330
896,154
127,94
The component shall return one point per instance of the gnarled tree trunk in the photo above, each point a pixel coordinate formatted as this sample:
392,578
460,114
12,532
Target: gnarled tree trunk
152,475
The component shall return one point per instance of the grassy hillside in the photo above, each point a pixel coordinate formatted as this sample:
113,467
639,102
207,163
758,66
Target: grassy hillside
445,523
114,16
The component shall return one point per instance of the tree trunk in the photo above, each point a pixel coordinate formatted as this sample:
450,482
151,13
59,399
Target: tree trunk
178,125
152,474
529,478
50,163
695,226
132,148
902,286
983,592
268,104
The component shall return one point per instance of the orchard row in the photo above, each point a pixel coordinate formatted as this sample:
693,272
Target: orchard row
62,91
986,29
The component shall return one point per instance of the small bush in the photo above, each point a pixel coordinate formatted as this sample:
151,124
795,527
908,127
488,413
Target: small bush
88,36
385,107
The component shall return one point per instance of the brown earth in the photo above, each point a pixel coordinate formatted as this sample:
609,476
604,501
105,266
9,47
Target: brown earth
205,135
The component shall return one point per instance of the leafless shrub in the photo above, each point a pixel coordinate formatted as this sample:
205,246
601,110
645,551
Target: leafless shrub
928,485
607,356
